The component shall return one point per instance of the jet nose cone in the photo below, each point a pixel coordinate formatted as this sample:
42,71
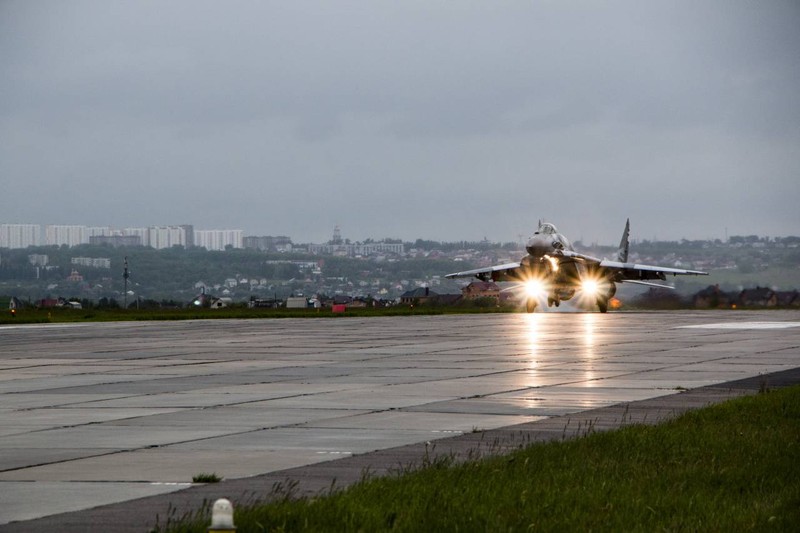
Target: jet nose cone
538,245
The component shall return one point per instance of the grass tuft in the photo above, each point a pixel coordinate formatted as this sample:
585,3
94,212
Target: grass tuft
206,478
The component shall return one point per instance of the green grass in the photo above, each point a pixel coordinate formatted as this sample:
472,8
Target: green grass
730,467
35,316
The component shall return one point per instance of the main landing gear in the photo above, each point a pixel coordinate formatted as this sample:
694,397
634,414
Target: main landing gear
604,297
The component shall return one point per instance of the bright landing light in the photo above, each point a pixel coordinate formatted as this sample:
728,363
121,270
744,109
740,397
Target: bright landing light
534,288
590,287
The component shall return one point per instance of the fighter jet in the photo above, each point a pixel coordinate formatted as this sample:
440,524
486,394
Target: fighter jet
552,268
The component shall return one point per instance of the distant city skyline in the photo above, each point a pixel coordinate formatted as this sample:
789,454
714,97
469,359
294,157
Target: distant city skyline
14,235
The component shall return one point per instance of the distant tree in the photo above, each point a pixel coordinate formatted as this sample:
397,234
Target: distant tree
107,303
484,302
149,303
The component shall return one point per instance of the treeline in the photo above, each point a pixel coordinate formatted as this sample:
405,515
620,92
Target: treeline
173,273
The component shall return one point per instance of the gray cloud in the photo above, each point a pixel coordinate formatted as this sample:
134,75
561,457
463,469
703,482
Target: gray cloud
413,119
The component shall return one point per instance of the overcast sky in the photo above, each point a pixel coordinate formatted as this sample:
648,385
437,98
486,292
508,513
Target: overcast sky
444,120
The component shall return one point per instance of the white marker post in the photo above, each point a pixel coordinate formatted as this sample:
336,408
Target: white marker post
222,517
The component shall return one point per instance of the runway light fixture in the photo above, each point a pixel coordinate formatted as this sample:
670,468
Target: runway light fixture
222,517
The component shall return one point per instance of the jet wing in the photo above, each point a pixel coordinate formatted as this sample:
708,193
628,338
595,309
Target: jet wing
614,265
632,272
648,284
482,273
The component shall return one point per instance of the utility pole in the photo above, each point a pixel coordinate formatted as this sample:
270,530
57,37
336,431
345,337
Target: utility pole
125,276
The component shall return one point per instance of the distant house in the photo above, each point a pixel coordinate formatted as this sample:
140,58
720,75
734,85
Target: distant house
296,302
11,303
341,299
219,303
15,303
361,302
758,297
206,300
423,295
481,289
417,296
264,302
789,298
48,303
712,298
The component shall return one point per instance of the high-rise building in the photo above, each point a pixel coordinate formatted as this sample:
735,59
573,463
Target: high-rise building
219,239
20,235
139,232
188,230
98,231
61,235
116,240
160,237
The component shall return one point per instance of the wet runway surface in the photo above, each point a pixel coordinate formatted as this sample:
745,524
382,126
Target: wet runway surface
92,414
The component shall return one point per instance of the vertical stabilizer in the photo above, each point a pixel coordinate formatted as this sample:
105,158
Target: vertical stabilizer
622,253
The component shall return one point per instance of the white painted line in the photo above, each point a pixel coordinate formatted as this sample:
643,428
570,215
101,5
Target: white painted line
334,453
745,325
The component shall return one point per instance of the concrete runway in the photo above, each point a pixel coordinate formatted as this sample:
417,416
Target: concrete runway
96,414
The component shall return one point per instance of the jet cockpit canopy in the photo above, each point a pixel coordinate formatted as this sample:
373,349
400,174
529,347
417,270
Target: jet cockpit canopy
547,229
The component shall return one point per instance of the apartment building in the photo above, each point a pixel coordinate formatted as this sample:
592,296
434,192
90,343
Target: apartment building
218,239
58,235
20,235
